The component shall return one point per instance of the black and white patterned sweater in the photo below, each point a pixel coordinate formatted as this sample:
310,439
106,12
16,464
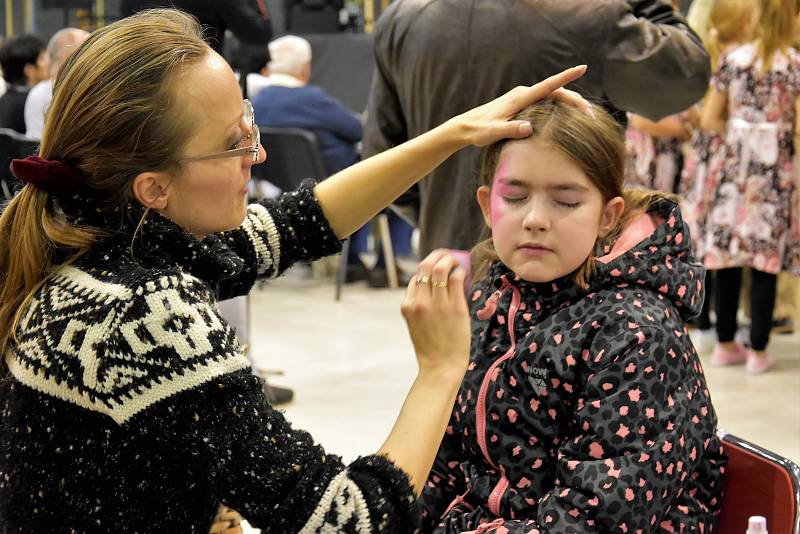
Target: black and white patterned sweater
131,408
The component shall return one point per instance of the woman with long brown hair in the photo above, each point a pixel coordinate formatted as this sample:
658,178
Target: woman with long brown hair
126,403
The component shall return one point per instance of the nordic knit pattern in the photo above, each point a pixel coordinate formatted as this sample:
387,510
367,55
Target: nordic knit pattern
130,407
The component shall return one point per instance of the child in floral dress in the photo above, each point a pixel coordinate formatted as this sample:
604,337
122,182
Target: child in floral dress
730,24
752,220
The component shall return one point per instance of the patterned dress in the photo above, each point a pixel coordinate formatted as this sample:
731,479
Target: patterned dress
654,163
698,183
753,218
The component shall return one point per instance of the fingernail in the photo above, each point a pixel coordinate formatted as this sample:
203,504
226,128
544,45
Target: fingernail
525,128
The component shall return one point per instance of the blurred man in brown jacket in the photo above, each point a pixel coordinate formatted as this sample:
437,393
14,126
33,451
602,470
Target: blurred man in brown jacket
438,58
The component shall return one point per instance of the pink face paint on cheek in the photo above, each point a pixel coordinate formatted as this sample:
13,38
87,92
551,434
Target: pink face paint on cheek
497,204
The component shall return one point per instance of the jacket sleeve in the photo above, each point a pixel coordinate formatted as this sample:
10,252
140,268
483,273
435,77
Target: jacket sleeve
276,234
445,482
654,64
249,20
194,398
386,125
639,436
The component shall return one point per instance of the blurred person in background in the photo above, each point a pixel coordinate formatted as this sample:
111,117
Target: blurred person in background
61,45
754,217
25,63
726,24
438,57
287,100
655,148
248,20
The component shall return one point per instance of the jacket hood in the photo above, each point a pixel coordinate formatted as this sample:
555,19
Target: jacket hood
653,251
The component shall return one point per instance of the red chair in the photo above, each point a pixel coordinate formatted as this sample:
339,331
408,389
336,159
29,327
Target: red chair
759,482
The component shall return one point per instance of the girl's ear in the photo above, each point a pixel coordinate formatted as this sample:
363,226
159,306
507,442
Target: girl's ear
484,201
612,212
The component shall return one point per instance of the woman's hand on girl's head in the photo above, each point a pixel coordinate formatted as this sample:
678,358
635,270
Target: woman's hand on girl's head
492,122
435,309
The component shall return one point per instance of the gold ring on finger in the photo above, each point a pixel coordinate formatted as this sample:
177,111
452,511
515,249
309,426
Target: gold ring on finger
439,283
422,279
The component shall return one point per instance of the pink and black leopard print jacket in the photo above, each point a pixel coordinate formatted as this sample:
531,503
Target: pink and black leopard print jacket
585,410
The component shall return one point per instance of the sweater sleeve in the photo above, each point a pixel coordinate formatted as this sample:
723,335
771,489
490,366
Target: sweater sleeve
276,234
644,423
191,395
226,434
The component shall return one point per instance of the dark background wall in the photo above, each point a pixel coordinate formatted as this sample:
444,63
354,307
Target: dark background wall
49,16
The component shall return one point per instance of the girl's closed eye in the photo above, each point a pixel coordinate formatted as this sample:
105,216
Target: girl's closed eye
567,204
511,194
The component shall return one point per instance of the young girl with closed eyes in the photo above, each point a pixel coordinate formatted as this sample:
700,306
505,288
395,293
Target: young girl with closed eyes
584,407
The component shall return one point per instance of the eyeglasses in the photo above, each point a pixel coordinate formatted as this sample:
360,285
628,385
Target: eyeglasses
248,145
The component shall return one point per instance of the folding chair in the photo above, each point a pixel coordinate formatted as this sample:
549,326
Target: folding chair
758,482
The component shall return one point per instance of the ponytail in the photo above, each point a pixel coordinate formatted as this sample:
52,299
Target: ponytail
29,236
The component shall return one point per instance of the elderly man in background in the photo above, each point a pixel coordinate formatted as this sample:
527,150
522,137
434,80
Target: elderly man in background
60,46
288,101
437,58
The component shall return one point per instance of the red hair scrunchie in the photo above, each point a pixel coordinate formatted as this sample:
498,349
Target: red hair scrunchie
45,174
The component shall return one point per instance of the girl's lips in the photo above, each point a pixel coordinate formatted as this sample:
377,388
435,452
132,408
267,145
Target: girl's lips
534,250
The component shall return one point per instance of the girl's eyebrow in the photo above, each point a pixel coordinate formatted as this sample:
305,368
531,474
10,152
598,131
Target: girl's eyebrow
514,182
569,186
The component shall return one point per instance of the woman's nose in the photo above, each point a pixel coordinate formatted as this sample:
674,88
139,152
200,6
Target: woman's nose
248,162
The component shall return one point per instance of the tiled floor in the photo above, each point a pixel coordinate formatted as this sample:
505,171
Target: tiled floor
351,363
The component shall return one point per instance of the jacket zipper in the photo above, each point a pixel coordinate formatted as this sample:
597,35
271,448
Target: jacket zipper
480,413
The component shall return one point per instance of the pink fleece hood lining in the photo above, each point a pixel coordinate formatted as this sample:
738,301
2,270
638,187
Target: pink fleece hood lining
634,233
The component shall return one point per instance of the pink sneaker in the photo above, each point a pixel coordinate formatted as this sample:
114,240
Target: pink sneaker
723,356
758,364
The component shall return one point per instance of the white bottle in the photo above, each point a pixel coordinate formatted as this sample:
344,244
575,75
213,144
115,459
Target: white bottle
757,525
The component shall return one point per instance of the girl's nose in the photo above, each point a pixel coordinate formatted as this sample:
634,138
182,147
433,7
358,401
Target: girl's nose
536,220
